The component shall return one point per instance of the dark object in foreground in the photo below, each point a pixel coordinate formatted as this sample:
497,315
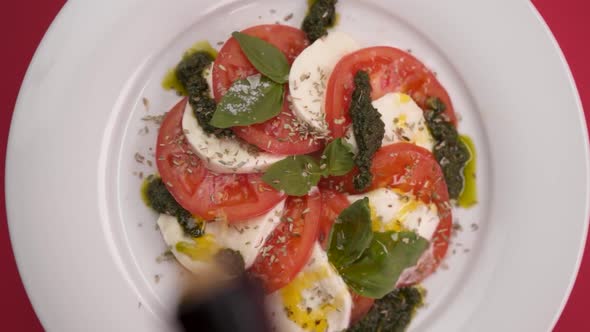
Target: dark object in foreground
232,261
392,313
236,307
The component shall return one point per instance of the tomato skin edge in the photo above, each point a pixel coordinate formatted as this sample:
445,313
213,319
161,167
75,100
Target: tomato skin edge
419,82
278,274
419,181
193,186
232,64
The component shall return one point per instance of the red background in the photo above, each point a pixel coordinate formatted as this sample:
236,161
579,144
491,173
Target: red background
22,25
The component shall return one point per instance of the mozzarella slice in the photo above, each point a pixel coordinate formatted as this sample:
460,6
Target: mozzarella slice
224,155
247,237
404,121
395,211
309,76
316,300
173,234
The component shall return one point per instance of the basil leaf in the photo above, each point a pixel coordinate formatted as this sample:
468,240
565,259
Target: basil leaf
376,272
351,234
249,101
294,175
337,158
265,57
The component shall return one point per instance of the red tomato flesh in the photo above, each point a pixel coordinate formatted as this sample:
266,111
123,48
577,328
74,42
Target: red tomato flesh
290,245
412,169
360,307
390,70
235,197
274,135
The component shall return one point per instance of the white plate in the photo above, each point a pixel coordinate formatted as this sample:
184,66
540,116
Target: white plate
86,245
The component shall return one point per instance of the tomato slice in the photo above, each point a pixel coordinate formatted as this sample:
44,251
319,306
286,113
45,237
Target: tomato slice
409,168
390,70
414,169
235,197
440,242
360,307
430,260
405,166
232,64
182,171
276,135
289,246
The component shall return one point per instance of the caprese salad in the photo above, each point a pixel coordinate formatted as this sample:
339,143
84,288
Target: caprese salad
324,168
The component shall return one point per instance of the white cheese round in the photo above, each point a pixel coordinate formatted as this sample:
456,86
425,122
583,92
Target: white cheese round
224,155
404,121
309,77
394,211
317,299
247,237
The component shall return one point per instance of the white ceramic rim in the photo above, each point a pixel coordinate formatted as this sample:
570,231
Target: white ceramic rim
69,9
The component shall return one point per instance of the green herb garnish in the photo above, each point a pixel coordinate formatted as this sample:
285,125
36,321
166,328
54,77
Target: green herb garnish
321,16
293,175
450,152
375,273
368,129
298,174
171,80
190,74
351,234
375,260
249,101
337,158
392,313
265,57
156,195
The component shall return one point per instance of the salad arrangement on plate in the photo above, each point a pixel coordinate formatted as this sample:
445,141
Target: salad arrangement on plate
326,169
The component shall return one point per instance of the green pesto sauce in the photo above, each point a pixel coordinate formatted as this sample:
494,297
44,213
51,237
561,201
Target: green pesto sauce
393,312
200,46
171,81
189,79
450,152
321,15
368,129
468,197
156,196
336,20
